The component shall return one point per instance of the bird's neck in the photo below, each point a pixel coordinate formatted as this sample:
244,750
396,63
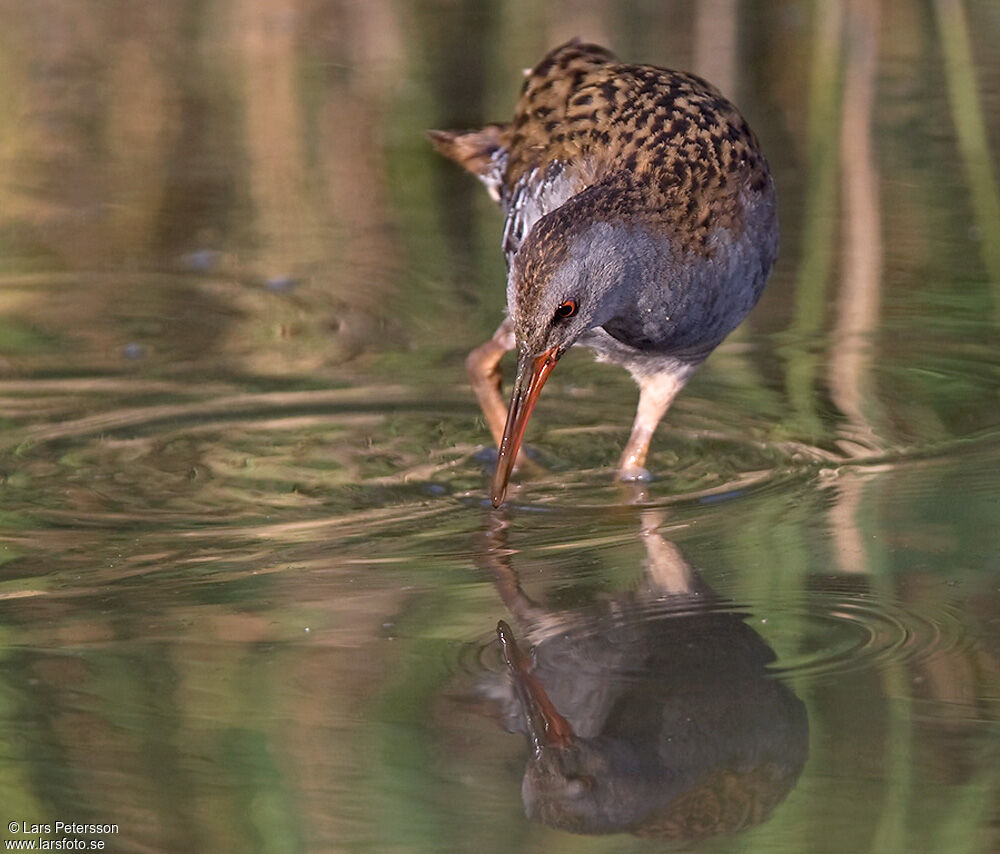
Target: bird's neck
625,267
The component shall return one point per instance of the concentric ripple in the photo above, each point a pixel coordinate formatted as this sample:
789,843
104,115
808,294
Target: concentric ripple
839,633
816,637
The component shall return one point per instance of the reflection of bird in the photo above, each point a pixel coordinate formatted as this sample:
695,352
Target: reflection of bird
640,223
653,715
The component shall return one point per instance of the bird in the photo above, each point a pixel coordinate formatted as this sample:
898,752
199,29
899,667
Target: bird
654,711
640,222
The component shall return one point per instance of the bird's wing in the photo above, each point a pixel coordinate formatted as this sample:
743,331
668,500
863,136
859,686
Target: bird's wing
681,153
547,162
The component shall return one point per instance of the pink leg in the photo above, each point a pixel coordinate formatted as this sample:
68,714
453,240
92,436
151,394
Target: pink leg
483,367
656,393
666,569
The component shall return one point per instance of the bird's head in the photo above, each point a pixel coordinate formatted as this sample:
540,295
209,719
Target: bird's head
564,280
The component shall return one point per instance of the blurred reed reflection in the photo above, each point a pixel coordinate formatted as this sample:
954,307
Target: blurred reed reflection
220,139
651,712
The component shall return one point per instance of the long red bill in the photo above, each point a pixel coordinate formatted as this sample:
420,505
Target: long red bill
532,372
546,727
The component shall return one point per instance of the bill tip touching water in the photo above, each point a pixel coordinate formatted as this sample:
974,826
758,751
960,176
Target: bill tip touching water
640,223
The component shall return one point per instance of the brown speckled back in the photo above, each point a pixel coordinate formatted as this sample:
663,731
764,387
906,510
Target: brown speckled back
679,153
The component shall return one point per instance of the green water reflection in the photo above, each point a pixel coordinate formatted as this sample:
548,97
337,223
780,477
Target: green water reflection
245,598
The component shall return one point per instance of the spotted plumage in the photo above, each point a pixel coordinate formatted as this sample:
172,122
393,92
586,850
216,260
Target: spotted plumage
678,150
640,190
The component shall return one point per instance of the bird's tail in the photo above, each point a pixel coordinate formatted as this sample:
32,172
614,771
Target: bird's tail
481,152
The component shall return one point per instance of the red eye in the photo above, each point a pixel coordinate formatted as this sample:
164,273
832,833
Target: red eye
567,309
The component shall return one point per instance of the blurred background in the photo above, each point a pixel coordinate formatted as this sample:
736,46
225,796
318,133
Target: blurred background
243,598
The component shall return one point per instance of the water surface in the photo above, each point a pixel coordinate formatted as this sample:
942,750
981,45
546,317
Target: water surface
249,578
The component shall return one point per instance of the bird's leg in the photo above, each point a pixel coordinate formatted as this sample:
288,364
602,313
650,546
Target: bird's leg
656,393
483,366
666,569
494,555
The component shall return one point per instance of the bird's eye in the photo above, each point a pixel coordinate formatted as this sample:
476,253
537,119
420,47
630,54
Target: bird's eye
566,309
